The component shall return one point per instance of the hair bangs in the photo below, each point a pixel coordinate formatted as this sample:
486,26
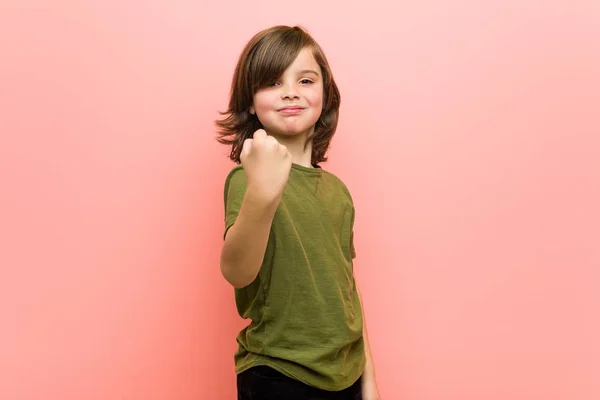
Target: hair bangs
273,55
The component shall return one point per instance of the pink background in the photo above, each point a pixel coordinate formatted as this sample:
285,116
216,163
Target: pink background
469,137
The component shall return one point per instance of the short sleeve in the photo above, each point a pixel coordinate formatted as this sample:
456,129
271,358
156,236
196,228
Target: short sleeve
351,244
235,188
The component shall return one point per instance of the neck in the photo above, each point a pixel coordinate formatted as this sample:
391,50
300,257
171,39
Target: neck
295,145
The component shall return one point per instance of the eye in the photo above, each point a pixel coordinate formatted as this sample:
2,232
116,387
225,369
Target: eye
274,84
306,81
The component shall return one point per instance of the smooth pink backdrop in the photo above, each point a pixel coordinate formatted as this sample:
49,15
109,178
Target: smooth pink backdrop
469,137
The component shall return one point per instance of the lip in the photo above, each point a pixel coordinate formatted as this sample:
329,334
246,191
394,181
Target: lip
291,110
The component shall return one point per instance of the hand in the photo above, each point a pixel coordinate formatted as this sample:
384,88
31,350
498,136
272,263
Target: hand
370,390
267,165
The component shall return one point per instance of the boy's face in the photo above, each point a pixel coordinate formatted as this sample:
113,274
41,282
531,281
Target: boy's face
292,105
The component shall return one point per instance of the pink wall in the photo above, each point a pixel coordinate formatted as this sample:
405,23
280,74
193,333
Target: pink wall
469,137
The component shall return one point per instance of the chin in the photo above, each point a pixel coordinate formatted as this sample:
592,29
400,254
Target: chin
290,131
294,133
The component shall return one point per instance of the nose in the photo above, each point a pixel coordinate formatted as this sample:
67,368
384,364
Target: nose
288,92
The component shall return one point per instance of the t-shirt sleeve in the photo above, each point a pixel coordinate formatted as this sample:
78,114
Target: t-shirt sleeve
352,250
235,188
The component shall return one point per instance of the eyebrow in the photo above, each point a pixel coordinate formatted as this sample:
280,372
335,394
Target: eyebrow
309,71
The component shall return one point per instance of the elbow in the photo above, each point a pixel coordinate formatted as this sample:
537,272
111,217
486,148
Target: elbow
234,280
234,276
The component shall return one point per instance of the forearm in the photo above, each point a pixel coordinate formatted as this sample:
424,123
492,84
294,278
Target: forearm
369,366
369,373
246,241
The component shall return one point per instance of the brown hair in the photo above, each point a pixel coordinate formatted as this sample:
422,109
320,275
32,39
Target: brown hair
264,59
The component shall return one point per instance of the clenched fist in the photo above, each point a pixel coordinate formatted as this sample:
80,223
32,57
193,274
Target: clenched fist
267,165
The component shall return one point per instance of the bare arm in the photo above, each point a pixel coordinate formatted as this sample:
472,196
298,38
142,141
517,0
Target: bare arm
266,167
370,390
246,241
369,367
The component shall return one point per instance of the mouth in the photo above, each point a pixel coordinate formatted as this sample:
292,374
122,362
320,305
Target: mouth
291,110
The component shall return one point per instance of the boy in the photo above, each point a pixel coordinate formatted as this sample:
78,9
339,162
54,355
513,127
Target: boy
288,247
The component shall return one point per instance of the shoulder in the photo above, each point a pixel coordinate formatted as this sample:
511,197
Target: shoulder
234,171
337,182
235,180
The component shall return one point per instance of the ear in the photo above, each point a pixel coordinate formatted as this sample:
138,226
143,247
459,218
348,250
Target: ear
251,110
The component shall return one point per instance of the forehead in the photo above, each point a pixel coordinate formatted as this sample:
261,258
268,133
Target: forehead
305,61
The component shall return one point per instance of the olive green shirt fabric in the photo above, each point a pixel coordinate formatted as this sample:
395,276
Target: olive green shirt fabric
304,309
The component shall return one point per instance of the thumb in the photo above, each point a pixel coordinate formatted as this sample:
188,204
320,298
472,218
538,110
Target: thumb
246,148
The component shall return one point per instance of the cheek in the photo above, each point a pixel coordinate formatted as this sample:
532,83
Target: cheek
316,98
262,103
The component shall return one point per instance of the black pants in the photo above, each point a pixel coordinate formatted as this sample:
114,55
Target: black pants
264,383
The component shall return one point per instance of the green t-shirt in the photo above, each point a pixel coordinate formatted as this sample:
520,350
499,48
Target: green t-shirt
305,315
